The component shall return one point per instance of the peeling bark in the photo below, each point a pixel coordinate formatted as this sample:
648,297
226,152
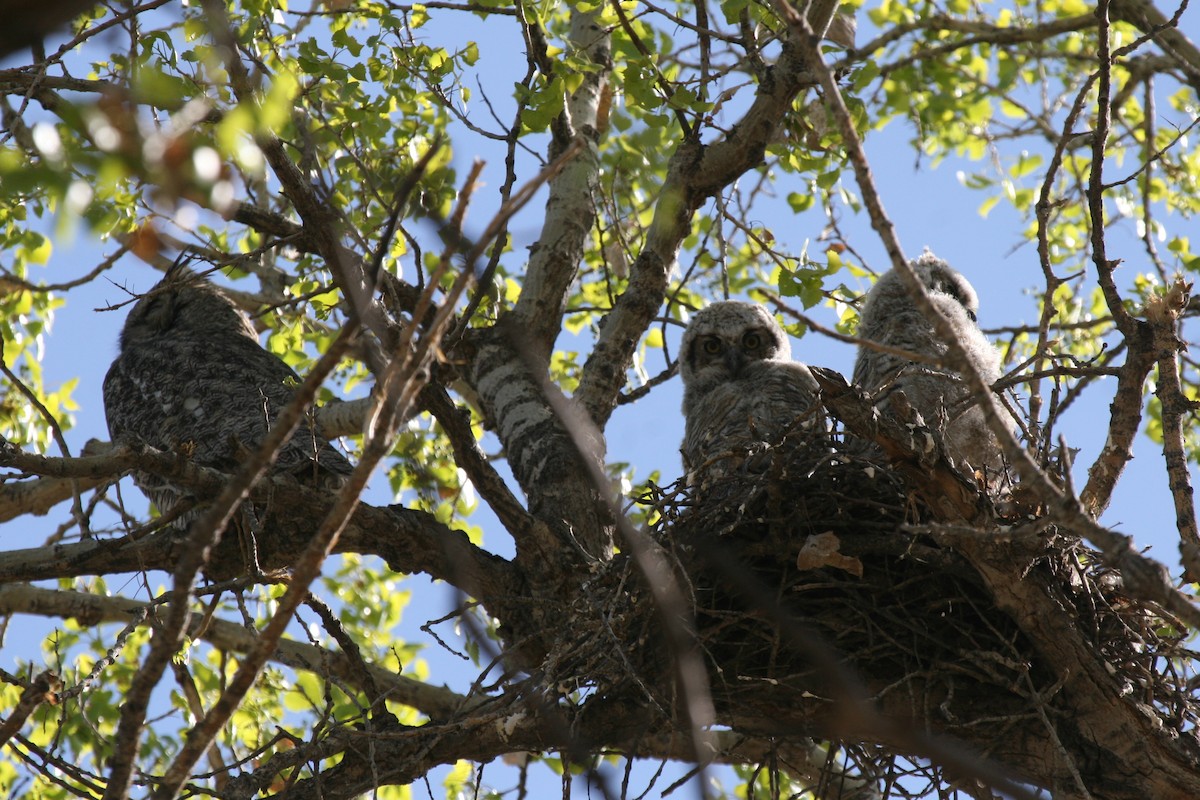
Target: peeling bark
570,208
543,457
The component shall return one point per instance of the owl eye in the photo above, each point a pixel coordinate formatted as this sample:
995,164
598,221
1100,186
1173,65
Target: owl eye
752,341
712,346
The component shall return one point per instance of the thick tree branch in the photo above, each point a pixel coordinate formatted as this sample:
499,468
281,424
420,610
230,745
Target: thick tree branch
570,208
695,173
542,456
1143,577
1125,418
1163,312
437,702
1117,726
28,22
410,541
400,757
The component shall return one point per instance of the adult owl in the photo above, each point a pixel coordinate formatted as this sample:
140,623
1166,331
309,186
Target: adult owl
741,389
938,393
191,378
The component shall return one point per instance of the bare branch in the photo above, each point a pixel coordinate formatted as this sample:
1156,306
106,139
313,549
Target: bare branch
44,687
1163,313
436,702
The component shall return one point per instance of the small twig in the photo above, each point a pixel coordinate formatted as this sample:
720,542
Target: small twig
663,85
43,688
59,438
362,676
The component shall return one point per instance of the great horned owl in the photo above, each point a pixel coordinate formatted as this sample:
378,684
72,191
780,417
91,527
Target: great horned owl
890,317
192,378
741,388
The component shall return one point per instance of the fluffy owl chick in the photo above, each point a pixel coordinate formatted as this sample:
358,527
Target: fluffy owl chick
890,317
192,378
741,388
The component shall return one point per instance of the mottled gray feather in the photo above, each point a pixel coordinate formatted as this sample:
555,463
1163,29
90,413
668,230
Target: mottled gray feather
192,378
890,317
742,391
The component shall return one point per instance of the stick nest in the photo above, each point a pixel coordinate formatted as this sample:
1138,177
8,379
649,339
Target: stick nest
814,576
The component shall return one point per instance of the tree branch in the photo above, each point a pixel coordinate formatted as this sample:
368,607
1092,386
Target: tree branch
1162,312
45,686
410,541
695,173
40,495
542,457
457,426
1144,578
570,207
1165,32
438,703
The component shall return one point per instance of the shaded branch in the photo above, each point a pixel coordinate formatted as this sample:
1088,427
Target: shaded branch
410,541
28,22
89,609
1135,739
1144,578
38,496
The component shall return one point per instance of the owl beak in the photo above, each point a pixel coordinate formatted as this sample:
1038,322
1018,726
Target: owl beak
734,361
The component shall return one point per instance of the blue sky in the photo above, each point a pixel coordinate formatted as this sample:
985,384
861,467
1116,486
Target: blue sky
929,207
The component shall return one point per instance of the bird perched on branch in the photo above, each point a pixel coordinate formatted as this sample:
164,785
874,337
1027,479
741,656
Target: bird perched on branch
934,390
742,391
192,378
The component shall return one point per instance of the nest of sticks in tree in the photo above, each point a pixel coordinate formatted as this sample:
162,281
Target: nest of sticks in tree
826,600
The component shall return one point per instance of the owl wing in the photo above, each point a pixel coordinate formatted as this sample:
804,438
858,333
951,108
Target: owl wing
307,455
939,395
177,396
719,423
137,389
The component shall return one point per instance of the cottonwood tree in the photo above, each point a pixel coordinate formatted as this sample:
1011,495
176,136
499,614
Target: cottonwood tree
822,623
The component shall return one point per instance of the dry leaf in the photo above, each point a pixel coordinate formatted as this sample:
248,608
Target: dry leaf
821,550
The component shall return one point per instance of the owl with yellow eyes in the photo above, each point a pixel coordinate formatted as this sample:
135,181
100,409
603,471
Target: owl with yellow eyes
742,392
